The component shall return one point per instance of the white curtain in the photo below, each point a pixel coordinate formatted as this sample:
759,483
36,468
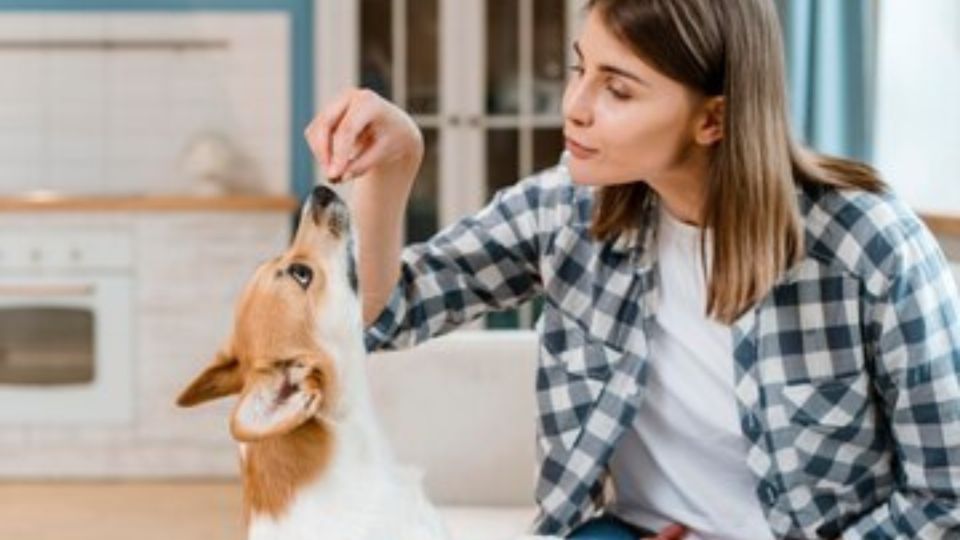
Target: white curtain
917,145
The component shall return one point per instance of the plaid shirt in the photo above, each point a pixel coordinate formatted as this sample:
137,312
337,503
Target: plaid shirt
845,373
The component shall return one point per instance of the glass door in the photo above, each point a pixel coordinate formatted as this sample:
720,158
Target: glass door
399,56
484,80
526,42
525,75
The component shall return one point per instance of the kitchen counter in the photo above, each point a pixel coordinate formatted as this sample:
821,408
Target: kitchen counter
943,224
940,224
151,203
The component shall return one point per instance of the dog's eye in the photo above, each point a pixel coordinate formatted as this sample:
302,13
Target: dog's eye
301,273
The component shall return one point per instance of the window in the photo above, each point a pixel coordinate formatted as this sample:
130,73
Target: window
917,146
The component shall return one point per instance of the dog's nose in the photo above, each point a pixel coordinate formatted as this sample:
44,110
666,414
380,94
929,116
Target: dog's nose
322,196
325,206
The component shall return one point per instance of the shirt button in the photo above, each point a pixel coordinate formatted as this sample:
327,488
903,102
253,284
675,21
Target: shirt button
751,427
768,492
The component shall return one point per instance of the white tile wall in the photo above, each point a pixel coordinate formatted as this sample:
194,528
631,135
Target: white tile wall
117,121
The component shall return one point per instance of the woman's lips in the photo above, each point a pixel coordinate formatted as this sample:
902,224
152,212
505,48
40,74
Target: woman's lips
579,151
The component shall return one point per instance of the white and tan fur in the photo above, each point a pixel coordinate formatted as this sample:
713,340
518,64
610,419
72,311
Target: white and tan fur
314,462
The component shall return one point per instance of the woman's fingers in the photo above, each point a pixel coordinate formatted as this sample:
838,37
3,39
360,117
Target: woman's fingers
371,150
359,132
346,138
672,532
319,132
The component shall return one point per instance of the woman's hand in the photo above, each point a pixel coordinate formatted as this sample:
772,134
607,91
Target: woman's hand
360,132
675,531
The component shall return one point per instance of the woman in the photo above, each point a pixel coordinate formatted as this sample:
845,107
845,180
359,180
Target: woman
739,336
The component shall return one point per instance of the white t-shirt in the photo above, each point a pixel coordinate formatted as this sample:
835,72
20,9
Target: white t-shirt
685,458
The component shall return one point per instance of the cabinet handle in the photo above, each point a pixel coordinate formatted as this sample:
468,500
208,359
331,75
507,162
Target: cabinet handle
473,121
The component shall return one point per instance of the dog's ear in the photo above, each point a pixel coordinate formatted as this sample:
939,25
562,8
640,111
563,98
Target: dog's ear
282,400
221,378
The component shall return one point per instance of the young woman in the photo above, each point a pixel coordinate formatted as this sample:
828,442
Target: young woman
741,339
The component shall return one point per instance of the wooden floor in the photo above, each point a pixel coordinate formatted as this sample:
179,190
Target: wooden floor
115,511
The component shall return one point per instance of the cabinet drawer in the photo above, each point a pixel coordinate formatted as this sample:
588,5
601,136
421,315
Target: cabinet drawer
66,250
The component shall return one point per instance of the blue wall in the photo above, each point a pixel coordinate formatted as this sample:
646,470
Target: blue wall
301,58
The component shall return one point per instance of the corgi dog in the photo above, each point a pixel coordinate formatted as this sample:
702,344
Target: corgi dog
314,462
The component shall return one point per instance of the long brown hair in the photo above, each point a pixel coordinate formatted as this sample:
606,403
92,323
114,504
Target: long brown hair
734,49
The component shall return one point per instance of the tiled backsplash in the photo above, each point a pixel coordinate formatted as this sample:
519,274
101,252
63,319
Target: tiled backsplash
107,103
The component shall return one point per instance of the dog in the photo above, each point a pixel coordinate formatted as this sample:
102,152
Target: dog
314,462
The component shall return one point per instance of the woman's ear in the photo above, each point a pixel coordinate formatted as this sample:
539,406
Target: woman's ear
709,126
221,378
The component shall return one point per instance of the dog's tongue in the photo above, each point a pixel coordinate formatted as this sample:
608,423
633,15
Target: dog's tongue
286,390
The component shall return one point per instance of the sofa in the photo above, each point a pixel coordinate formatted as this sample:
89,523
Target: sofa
461,407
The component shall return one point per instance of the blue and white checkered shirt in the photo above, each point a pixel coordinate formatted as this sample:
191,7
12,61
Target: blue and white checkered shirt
845,373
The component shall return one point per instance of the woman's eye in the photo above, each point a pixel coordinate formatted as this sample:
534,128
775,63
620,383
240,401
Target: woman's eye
618,94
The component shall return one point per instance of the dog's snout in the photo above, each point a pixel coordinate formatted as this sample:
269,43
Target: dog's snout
326,207
323,196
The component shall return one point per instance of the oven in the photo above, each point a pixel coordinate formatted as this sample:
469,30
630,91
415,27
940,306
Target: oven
66,327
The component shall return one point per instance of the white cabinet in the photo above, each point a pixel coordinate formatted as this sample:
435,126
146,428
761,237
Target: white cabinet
182,273
112,102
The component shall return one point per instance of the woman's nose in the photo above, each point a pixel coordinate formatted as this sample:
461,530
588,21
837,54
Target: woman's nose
576,104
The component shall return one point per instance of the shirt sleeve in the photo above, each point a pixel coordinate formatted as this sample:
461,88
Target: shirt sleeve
485,262
915,337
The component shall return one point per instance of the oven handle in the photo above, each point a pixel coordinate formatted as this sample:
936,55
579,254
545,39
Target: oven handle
46,291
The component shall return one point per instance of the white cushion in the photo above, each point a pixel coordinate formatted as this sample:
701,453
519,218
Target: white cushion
462,407
487,522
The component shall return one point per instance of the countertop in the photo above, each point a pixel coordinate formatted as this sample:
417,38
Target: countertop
943,224
43,202
940,224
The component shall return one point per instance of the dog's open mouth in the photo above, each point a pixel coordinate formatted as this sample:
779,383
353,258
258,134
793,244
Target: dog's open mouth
273,405
287,389
308,388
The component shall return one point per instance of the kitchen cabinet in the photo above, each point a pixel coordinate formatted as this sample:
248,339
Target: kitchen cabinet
482,78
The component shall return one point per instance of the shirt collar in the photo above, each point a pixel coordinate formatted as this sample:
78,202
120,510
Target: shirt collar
639,239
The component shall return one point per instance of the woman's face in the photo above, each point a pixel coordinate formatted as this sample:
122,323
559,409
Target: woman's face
634,122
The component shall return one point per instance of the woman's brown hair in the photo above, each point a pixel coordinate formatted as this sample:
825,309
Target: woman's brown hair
734,49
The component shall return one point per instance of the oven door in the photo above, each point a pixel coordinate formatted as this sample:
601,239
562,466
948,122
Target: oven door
65,350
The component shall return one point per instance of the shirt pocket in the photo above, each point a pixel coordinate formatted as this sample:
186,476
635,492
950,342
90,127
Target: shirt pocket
832,407
831,434
575,367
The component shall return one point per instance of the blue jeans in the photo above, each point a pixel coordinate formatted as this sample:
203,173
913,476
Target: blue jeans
608,527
